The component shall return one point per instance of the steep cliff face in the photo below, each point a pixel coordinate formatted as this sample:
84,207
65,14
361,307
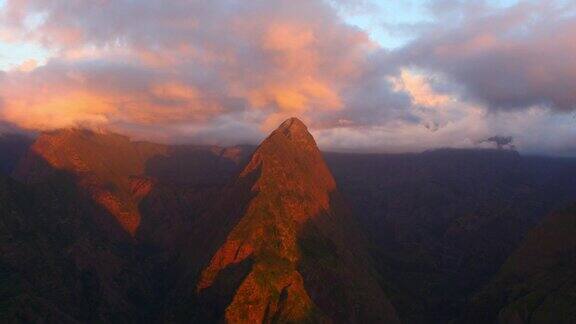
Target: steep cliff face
100,229
275,244
119,174
58,266
294,254
103,166
537,284
110,214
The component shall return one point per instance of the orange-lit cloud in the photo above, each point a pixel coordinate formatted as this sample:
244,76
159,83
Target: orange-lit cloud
229,71
419,90
45,112
27,65
181,62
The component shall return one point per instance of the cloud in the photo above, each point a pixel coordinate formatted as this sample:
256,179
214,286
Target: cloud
506,58
228,71
64,94
500,141
26,65
419,89
181,61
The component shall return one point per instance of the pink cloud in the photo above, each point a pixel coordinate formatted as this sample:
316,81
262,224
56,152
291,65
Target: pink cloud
279,57
511,58
227,71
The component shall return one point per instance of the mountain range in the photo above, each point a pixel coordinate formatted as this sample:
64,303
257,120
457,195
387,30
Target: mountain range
95,227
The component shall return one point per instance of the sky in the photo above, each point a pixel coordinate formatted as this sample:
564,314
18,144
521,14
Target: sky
364,75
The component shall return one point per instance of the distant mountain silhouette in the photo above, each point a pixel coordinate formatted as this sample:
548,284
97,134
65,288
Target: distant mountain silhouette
443,222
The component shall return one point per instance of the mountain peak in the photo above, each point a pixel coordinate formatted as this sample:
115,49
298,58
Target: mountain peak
293,125
286,150
101,164
271,252
293,131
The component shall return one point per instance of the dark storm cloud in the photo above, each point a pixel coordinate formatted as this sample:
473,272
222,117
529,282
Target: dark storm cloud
499,141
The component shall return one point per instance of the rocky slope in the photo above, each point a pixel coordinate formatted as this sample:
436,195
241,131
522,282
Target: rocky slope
108,216
118,174
58,266
537,284
104,229
99,228
294,253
